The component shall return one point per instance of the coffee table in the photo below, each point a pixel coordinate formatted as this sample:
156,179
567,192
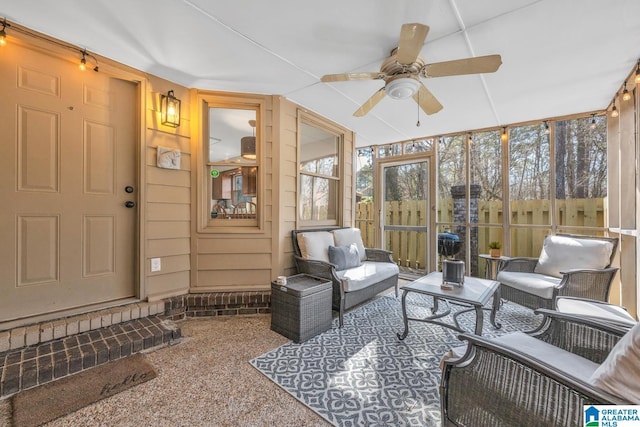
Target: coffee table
474,295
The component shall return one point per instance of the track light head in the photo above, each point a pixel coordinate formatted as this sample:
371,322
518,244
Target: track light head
83,61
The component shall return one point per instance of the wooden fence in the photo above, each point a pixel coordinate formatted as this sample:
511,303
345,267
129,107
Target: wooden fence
409,249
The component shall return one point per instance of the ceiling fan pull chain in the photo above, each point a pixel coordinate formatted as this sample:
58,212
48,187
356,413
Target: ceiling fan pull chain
418,123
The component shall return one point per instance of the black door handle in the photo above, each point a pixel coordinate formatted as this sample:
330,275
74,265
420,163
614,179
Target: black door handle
128,189
129,204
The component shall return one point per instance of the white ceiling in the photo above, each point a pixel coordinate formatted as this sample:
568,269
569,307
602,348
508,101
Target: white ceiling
559,57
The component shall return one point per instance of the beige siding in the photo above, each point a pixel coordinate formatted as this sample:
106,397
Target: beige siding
167,198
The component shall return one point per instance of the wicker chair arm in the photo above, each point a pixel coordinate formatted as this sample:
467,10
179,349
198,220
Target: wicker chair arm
585,336
316,268
379,255
492,376
519,264
587,283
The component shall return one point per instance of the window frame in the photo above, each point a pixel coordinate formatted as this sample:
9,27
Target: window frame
205,101
309,120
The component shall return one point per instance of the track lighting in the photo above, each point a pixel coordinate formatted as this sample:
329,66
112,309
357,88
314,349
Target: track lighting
83,61
3,33
625,93
614,110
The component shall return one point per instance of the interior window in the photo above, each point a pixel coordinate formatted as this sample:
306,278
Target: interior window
233,166
319,175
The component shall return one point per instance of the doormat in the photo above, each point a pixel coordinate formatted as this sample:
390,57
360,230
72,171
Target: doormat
47,402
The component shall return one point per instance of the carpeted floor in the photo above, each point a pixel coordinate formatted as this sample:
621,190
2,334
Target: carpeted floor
363,375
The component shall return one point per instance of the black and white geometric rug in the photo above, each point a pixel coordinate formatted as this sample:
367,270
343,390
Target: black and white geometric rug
363,375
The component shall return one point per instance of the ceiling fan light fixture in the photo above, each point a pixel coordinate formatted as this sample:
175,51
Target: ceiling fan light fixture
402,87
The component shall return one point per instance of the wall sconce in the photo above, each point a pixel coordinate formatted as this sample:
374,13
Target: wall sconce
170,110
248,144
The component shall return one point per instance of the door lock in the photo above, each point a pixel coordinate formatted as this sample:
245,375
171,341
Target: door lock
129,204
128,189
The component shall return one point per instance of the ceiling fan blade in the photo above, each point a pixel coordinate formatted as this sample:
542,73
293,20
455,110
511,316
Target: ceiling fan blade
370,103
426,101
480,64
412,38
352,76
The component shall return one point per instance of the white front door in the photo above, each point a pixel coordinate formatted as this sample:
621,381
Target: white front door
67,239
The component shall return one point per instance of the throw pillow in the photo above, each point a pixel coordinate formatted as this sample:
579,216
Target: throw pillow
314,244
344,257
347,236
618,374
561,253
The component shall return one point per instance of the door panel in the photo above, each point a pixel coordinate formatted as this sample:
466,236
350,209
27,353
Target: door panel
69,150
404,214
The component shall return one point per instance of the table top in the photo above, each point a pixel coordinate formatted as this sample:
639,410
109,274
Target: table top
475,291
495,258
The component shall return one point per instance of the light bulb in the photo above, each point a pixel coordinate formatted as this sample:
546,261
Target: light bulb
626,95
503,137
83,63
614,112
3,37
638,75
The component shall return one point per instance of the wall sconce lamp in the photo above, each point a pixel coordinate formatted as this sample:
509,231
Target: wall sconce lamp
170,110
625,93
3,33
248,144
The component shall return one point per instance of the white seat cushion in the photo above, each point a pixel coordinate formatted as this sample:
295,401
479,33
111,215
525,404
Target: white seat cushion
533,283
561,253
315,245
594,309
348,236
565,361
619,373
368,273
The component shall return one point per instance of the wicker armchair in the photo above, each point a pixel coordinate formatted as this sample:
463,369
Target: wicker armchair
584,282
494,384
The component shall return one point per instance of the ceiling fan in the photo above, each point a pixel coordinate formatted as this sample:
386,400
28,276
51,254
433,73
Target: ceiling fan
402,70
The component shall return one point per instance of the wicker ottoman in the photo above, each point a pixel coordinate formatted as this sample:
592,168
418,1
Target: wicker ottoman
301,309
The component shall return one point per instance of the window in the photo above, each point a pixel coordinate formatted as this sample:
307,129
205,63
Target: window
232,167
319,175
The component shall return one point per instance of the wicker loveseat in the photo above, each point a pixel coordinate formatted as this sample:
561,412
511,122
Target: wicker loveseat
571,265
354,282
542,377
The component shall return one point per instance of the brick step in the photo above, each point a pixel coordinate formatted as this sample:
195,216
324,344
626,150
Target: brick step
30,366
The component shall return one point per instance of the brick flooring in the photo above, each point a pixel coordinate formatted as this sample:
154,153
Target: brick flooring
30,366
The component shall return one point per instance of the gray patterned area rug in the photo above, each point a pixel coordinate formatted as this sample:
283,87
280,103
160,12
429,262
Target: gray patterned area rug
363,375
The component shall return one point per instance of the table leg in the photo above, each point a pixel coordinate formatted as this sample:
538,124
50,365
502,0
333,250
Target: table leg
496,306
435,308
404,316
479,319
